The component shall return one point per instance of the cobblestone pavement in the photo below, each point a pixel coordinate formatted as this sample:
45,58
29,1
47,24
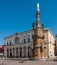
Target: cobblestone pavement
15,62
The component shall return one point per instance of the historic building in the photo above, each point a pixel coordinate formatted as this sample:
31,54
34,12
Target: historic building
35,43
56,46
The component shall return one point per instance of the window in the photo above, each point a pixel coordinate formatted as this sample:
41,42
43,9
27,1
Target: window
24,40
10,43
28,39
7,43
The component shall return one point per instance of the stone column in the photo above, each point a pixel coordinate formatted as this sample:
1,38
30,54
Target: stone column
31,52
5,52
26,51
46,53
43,54
15,52
12,51
22,52
9,52
18,52
39,52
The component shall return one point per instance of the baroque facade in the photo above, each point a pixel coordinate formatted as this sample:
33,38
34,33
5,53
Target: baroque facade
36,43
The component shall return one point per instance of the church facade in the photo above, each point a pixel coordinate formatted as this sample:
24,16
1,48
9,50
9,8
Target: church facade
35,43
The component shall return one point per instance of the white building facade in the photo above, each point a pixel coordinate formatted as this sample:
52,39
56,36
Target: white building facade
20,45
49,40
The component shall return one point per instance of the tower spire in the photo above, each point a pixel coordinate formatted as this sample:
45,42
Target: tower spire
38,15
38,7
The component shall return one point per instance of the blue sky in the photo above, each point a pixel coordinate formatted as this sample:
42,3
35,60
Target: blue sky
18,15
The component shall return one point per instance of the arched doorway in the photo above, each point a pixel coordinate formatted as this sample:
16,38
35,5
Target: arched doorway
17,52
24,51
10,53
20,52
29,52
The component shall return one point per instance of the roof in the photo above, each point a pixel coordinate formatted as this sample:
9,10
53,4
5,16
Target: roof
45,29
18,34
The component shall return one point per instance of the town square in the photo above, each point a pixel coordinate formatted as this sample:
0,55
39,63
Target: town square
27,62
28,35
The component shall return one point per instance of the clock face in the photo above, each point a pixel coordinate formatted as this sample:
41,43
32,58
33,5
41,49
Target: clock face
16,39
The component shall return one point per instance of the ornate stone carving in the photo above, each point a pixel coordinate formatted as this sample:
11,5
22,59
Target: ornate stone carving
17,39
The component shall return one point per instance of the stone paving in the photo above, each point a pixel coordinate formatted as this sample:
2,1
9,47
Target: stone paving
15,62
